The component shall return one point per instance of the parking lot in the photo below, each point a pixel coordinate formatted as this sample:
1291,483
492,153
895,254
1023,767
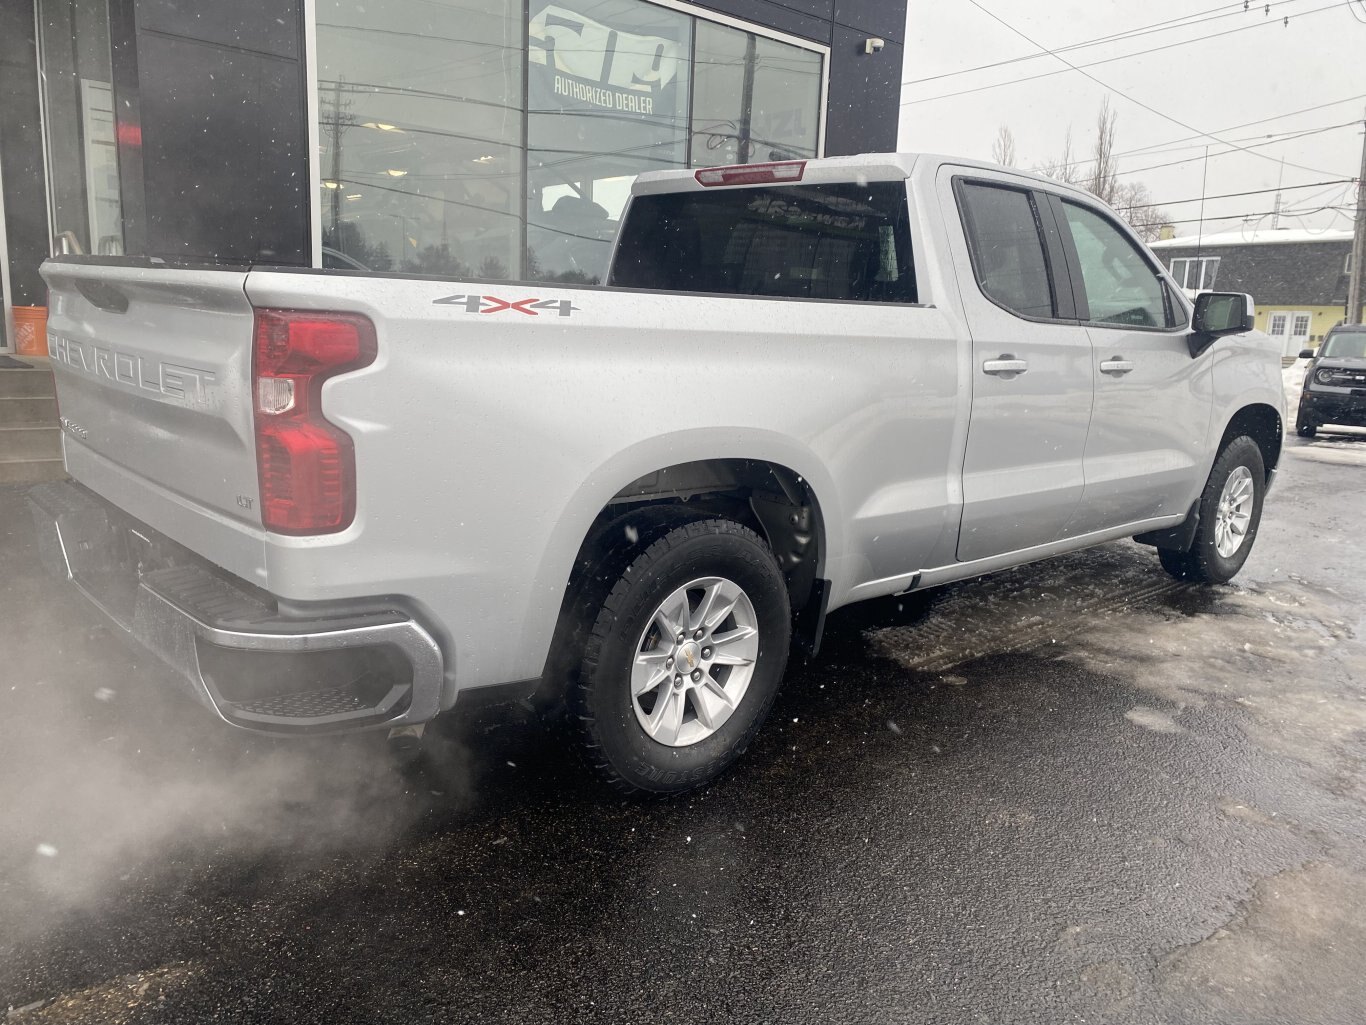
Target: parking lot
1076,791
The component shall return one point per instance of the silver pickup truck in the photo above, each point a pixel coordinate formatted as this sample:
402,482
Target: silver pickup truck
338,501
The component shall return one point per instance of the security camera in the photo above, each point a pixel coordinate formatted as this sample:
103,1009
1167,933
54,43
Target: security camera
873,44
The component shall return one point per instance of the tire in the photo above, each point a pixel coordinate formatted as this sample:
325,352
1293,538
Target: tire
706,721
601,565
1205,562
1305,430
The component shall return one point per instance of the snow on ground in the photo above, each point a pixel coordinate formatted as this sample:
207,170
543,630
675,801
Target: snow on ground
1293,379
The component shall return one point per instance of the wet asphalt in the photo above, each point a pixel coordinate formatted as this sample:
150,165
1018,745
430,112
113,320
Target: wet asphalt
1075,792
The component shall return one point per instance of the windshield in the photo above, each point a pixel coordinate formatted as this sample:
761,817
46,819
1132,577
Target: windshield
1345,345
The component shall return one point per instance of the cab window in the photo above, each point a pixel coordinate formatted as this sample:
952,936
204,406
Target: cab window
1122,288
843,242
1007,248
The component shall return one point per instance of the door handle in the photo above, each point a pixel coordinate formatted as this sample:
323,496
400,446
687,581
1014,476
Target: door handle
1007,366
1116,366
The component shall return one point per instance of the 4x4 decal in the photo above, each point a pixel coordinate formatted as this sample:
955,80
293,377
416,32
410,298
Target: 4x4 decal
532,307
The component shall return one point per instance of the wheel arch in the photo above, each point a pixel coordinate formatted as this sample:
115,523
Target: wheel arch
761,481
770,497
1261,422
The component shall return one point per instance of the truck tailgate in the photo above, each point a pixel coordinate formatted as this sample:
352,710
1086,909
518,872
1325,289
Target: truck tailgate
153,371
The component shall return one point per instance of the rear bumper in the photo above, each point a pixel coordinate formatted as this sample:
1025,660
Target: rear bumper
341,667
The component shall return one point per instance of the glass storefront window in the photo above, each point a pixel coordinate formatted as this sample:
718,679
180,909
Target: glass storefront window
420,131
421,118
608,92
78,116
756,99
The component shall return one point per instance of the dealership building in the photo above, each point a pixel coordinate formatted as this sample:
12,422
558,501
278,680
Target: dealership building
492,139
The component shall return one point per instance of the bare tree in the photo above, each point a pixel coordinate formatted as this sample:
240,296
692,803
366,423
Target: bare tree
1003,149
1134,203
1099,175
1064,168
1100,179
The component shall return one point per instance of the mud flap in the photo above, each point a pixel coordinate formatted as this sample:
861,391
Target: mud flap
1178,538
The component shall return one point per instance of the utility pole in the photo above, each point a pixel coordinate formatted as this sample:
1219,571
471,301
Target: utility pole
1200,236
1357,278
1276,210
335,191
334,128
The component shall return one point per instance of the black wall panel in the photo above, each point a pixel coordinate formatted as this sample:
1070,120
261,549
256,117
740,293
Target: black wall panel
865,95
244,24
875,17
815,8
223,138
21,153
224,141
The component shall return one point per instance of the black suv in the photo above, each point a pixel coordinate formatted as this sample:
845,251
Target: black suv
1335,383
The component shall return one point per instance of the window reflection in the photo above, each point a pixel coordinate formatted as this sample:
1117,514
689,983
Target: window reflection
78,108
421,110
420,124
756,99
607,98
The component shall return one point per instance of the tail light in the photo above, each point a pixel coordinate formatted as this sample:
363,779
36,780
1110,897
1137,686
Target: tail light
306,464
752,174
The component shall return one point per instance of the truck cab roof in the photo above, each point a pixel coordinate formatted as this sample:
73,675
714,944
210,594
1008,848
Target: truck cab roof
859,167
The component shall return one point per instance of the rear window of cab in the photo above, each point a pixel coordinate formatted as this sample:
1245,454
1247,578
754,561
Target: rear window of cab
838,242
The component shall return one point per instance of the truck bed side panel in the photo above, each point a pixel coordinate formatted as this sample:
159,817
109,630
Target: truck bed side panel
491,431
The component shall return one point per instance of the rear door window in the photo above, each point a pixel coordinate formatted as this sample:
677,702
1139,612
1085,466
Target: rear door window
1007,246
835,242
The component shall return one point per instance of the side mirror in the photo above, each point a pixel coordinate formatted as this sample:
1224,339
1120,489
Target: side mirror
1218,314
1306,354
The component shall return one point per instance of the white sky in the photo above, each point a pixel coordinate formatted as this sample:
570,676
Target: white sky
1210,85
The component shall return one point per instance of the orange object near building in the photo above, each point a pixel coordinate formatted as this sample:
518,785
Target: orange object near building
30,330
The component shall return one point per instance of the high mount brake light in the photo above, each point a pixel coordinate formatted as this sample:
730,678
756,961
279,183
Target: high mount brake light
752,174
306,464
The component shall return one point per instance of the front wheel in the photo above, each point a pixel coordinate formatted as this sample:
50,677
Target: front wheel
1306,430
1230,513
685,658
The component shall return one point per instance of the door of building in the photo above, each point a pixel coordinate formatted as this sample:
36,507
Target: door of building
1291,329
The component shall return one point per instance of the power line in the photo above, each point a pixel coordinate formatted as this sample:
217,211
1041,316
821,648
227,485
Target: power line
1233,195
1336,203
1137,102
1230,128
1106,60
1249,216
1170,24
1247,149
1298,213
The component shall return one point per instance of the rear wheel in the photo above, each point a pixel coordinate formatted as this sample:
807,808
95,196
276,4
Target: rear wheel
684,659
1230,513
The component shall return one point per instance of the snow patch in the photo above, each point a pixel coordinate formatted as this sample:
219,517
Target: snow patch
1152,719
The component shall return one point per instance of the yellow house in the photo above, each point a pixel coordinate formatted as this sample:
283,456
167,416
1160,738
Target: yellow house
1296,277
